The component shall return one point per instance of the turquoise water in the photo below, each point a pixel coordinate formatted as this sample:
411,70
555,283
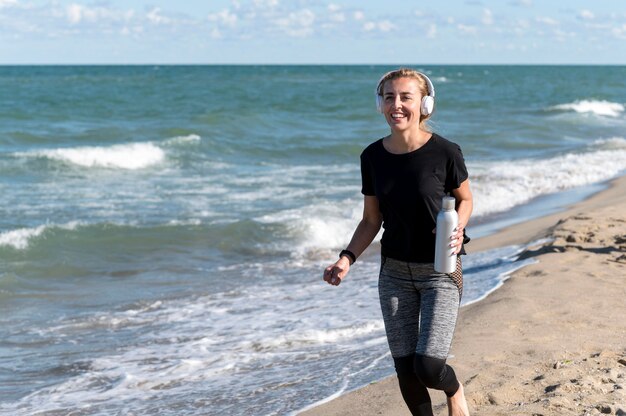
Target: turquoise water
163,229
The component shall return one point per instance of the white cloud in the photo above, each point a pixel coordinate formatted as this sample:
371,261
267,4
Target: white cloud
487,17
547,21
562,36
467,30
7,3
155,17
619,32
382,26
129,31
336,15
74,13
432,31
216,34
386,26
297,24
521,26
224,17
586,15
265,3
77,13
358,15
522,23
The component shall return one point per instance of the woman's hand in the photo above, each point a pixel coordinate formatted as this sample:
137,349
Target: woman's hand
457,238
363,235
334,274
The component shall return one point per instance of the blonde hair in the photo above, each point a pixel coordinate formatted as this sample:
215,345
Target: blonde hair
422,85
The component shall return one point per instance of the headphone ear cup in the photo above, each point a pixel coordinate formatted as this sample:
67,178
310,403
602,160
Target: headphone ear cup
428,105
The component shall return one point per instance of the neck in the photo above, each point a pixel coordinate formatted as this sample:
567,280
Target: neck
407,141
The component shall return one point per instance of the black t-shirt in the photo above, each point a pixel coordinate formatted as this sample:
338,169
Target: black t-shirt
409,188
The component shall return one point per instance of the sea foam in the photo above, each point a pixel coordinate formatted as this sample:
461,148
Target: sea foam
596,107
191,138
121,156
20,238
502,185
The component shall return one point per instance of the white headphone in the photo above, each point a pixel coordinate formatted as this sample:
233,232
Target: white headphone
428,101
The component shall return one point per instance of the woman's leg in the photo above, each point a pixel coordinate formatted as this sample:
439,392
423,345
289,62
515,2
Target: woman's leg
436,374
400,304
413,391
439,311
438,315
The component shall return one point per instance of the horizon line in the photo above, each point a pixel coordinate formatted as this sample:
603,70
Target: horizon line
309,64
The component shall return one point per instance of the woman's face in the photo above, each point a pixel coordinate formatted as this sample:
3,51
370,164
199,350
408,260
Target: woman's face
401,103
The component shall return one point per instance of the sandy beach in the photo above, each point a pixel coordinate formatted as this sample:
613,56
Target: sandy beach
552,339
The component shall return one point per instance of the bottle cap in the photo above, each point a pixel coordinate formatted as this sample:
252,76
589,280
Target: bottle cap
448,203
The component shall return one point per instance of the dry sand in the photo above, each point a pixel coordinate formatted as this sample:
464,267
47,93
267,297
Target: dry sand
552,339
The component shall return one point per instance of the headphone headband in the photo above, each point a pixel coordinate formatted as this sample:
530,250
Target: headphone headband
429,84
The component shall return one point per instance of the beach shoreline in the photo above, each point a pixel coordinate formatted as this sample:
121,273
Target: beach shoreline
545,342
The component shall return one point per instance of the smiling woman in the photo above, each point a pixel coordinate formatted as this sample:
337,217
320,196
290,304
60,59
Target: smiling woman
405,177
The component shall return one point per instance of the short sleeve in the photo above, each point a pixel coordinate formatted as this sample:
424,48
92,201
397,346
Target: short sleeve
367,177
456,172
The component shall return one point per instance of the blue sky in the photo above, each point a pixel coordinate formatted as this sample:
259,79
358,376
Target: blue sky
313,31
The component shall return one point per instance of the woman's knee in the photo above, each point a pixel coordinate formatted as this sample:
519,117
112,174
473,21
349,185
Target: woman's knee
430,370
404,366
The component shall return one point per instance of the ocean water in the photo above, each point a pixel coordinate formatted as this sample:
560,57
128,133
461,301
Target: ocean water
163,229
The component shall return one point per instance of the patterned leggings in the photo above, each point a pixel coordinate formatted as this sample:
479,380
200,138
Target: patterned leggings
420,308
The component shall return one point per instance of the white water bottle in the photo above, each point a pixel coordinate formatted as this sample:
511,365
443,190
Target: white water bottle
447,220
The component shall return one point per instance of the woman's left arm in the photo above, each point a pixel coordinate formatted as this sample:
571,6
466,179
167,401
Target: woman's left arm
464,205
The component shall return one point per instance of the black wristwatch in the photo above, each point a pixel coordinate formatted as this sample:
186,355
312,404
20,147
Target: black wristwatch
350,255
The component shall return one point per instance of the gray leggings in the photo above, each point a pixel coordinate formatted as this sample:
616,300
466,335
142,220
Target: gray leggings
420,308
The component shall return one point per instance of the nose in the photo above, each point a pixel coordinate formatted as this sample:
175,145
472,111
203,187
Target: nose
397,102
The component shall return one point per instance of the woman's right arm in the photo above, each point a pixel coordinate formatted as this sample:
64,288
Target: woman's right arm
363,236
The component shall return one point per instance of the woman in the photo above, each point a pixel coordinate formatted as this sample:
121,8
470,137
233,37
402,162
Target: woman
404,178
